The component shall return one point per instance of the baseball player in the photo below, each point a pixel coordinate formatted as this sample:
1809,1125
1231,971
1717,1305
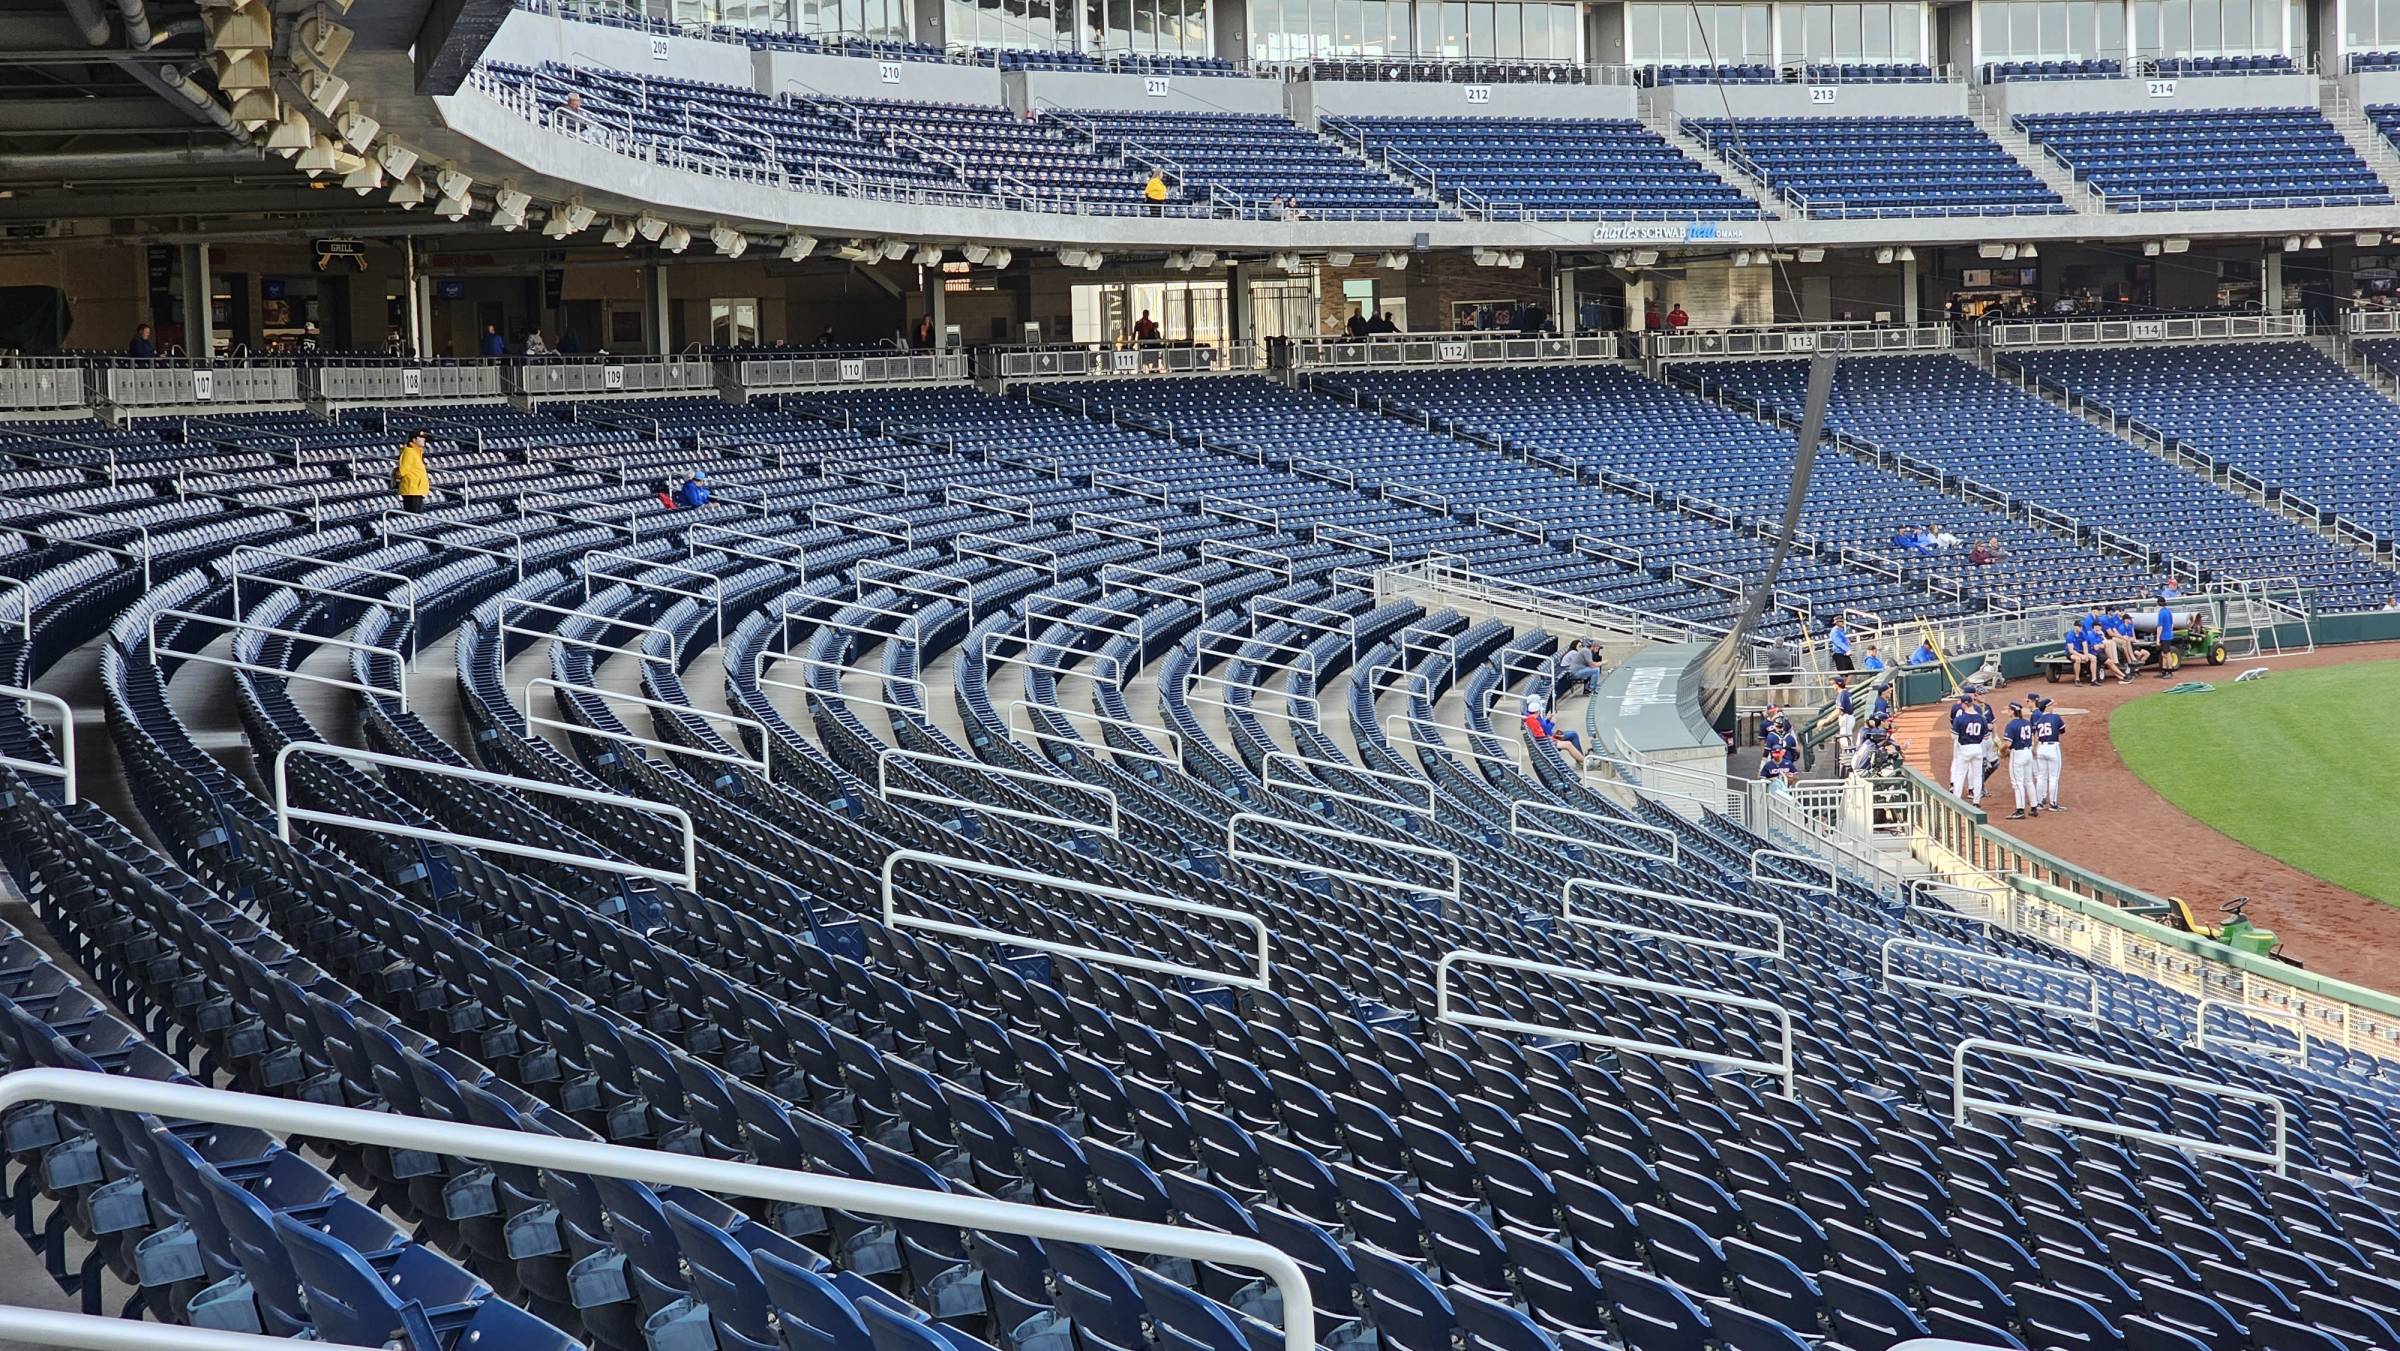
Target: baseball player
2049,730
1847,707
1970,727
2019,736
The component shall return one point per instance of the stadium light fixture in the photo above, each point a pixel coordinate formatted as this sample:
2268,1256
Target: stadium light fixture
1906,254
1001,258
975,253
357,128
1392,262
317,159
366,178
1284,262
2176,244
1988,250
1885,255
797,247
577,216
2028,251
1806,255
727,240
452,208
1641,258
407,193
2368,239
619,233
508,208
2151,248
2313,242
2291,243
396,159
1179,262
325,92
649,227
676,239
1620,259
1201,258
451,182
1340,259
322,42
895,249
927,255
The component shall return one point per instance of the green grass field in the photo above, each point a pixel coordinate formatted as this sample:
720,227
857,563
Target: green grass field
2303,766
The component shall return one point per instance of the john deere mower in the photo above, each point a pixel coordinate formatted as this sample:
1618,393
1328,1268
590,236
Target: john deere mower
2236,932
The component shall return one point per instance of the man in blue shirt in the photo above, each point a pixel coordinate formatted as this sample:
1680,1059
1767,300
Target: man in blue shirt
1874,658
2168,657
1837,639
2018,737
141,346
493,344
1923,656
694,491
2049,732
1970,726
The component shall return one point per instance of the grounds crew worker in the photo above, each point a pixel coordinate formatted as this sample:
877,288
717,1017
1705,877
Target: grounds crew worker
409,478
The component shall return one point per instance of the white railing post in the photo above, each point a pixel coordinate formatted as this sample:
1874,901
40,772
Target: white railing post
1267,779
947,864
657,1168
1963,1106
286,814
65,770
1050,782
1772,921
508,603
1235,851
1892,976
1783,1067
398,690
534,721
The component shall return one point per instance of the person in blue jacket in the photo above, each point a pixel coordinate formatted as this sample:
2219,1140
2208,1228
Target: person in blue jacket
493,345
693,491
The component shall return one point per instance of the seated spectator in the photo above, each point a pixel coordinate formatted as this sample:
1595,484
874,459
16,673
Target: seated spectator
1923,656
1873,660
1981,554
693,492
1577,666
141,346
1943,539
535,346
1539,727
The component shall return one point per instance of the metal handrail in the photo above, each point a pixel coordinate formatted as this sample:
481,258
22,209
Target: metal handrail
1193,679
1963,1107
398,690
837,695
658,1168
1891,977
693,545
234,575
1783,1068
38,533
1235,852
1514,756
65,770
402,524
1298,1319
993,642
1173,758
993,549
1267,779
714,594
672,656
988,499
535,720
861,521
2291,1022
1283,656
1125,528
1518,827
286,813
1243,556
1566,911
632,526
908,583
1052,782
1831,887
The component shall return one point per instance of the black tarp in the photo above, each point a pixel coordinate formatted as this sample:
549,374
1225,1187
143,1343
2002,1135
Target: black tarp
34,319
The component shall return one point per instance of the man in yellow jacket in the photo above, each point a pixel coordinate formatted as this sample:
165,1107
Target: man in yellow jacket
1155,193
409,478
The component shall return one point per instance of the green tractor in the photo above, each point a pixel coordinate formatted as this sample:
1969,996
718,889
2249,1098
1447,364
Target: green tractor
2236,932
2198,642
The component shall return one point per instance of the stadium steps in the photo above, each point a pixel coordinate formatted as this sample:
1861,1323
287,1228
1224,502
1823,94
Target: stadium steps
1994,123
2099,417
2344,113
1356,151
1668,125
2337,345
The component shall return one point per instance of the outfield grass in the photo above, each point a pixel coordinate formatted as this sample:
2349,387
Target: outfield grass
2303,766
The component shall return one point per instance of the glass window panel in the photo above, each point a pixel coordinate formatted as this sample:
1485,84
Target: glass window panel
2148,38
1642,35
2175,25
1537,31
1479,28
1846,20
2207,37
1454,28
2267,19
1757,45
2111,39
1819,44
1509,29
2053,38
2237,25
1875,32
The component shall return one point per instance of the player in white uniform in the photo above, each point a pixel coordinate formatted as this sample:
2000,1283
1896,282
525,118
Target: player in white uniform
2049,730
1970,728
2018,735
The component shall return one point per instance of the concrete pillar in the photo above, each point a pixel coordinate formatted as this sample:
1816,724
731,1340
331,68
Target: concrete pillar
415,304
1245,323
656,307
937,304
1637,298
1910,308
199,295
2270,278
1562,296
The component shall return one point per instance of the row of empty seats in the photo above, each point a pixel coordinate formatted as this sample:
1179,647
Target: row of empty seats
2208,158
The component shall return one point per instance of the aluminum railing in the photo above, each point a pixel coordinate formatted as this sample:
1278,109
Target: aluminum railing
1351,842
1051,785
800,370
1767,919
535,721
1966,1104
387,382
135,384
64,770
2131,331
658,1168
396,691
37,384
1782,1067
1470,348
1773,342
578,377
1058,362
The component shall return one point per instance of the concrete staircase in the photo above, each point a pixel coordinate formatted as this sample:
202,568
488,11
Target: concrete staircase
1658,118
1994,123
2348,119
2338,346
